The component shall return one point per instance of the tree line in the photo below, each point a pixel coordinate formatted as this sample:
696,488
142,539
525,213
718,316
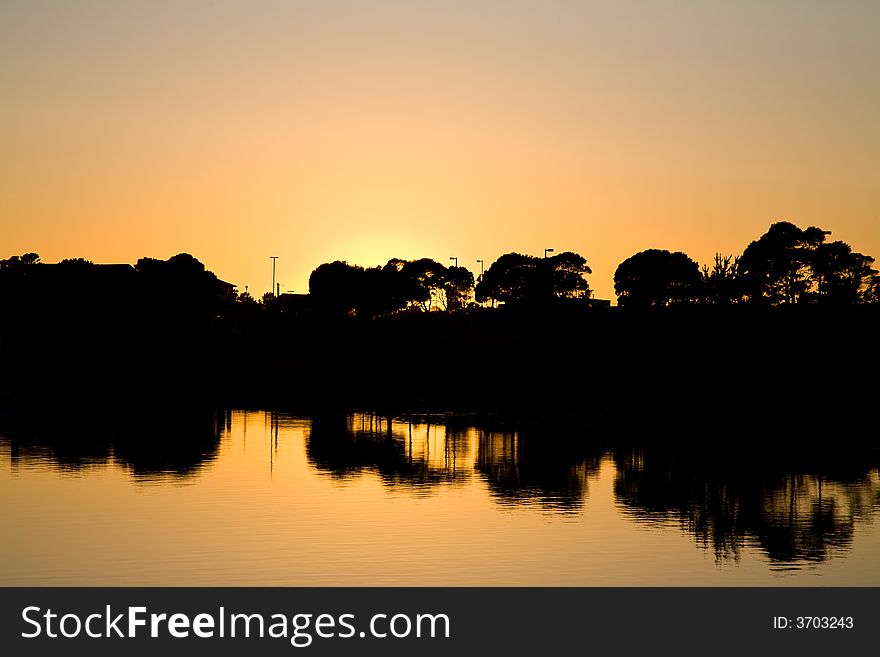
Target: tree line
179,289
785,266
425,284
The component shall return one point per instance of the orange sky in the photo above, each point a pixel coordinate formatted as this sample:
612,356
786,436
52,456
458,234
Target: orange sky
362,130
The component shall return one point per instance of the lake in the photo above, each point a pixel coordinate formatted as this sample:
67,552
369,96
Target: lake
253,497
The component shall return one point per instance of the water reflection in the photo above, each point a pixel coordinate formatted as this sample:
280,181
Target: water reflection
152,445
417,453
554,470
796,508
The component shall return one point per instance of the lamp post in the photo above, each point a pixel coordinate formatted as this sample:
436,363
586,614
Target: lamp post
546,251
479,280
273,258
454,259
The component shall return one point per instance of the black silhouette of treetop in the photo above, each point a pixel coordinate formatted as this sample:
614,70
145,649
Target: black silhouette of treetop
338,288
841,275
181,286
568,270
457,285
722,283
788,265
516,278
657,278
17,296
335,287
506,279
79,292
424,278
16,263
776,267
872,291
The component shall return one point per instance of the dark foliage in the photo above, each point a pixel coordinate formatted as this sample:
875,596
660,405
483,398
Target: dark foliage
657,278
517,278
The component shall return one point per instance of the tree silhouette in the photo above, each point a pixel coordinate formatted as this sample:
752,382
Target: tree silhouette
180,288
521,278
425,279
506,279
872,290
343,289
776,268
457,285
722,284
335,287
382,291
656,277
840,275
788,265
246,298
76,263
568,270
399,284
16,263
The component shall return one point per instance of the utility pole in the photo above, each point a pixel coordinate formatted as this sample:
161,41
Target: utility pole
273,258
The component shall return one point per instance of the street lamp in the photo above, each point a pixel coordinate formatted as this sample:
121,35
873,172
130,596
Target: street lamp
273,259
455,260
481,268
546,251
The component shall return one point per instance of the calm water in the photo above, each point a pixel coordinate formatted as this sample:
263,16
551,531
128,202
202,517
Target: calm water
260,498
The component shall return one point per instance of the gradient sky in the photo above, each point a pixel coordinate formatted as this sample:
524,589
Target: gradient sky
362,130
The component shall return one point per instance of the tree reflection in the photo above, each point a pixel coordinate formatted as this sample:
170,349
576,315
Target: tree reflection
795,508
420,452
409,452
530,467
149,444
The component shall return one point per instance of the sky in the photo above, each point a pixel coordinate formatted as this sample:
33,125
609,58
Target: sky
362,130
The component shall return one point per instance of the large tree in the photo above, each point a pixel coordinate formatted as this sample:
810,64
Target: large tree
458,282
424,279
776,267
15,263
343,289
178,288
521,278
568,270
336,287
839,275
657,277
788,265
506,279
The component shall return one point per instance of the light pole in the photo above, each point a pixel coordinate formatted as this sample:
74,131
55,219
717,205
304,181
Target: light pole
453,258
546,251
273,258
479,280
